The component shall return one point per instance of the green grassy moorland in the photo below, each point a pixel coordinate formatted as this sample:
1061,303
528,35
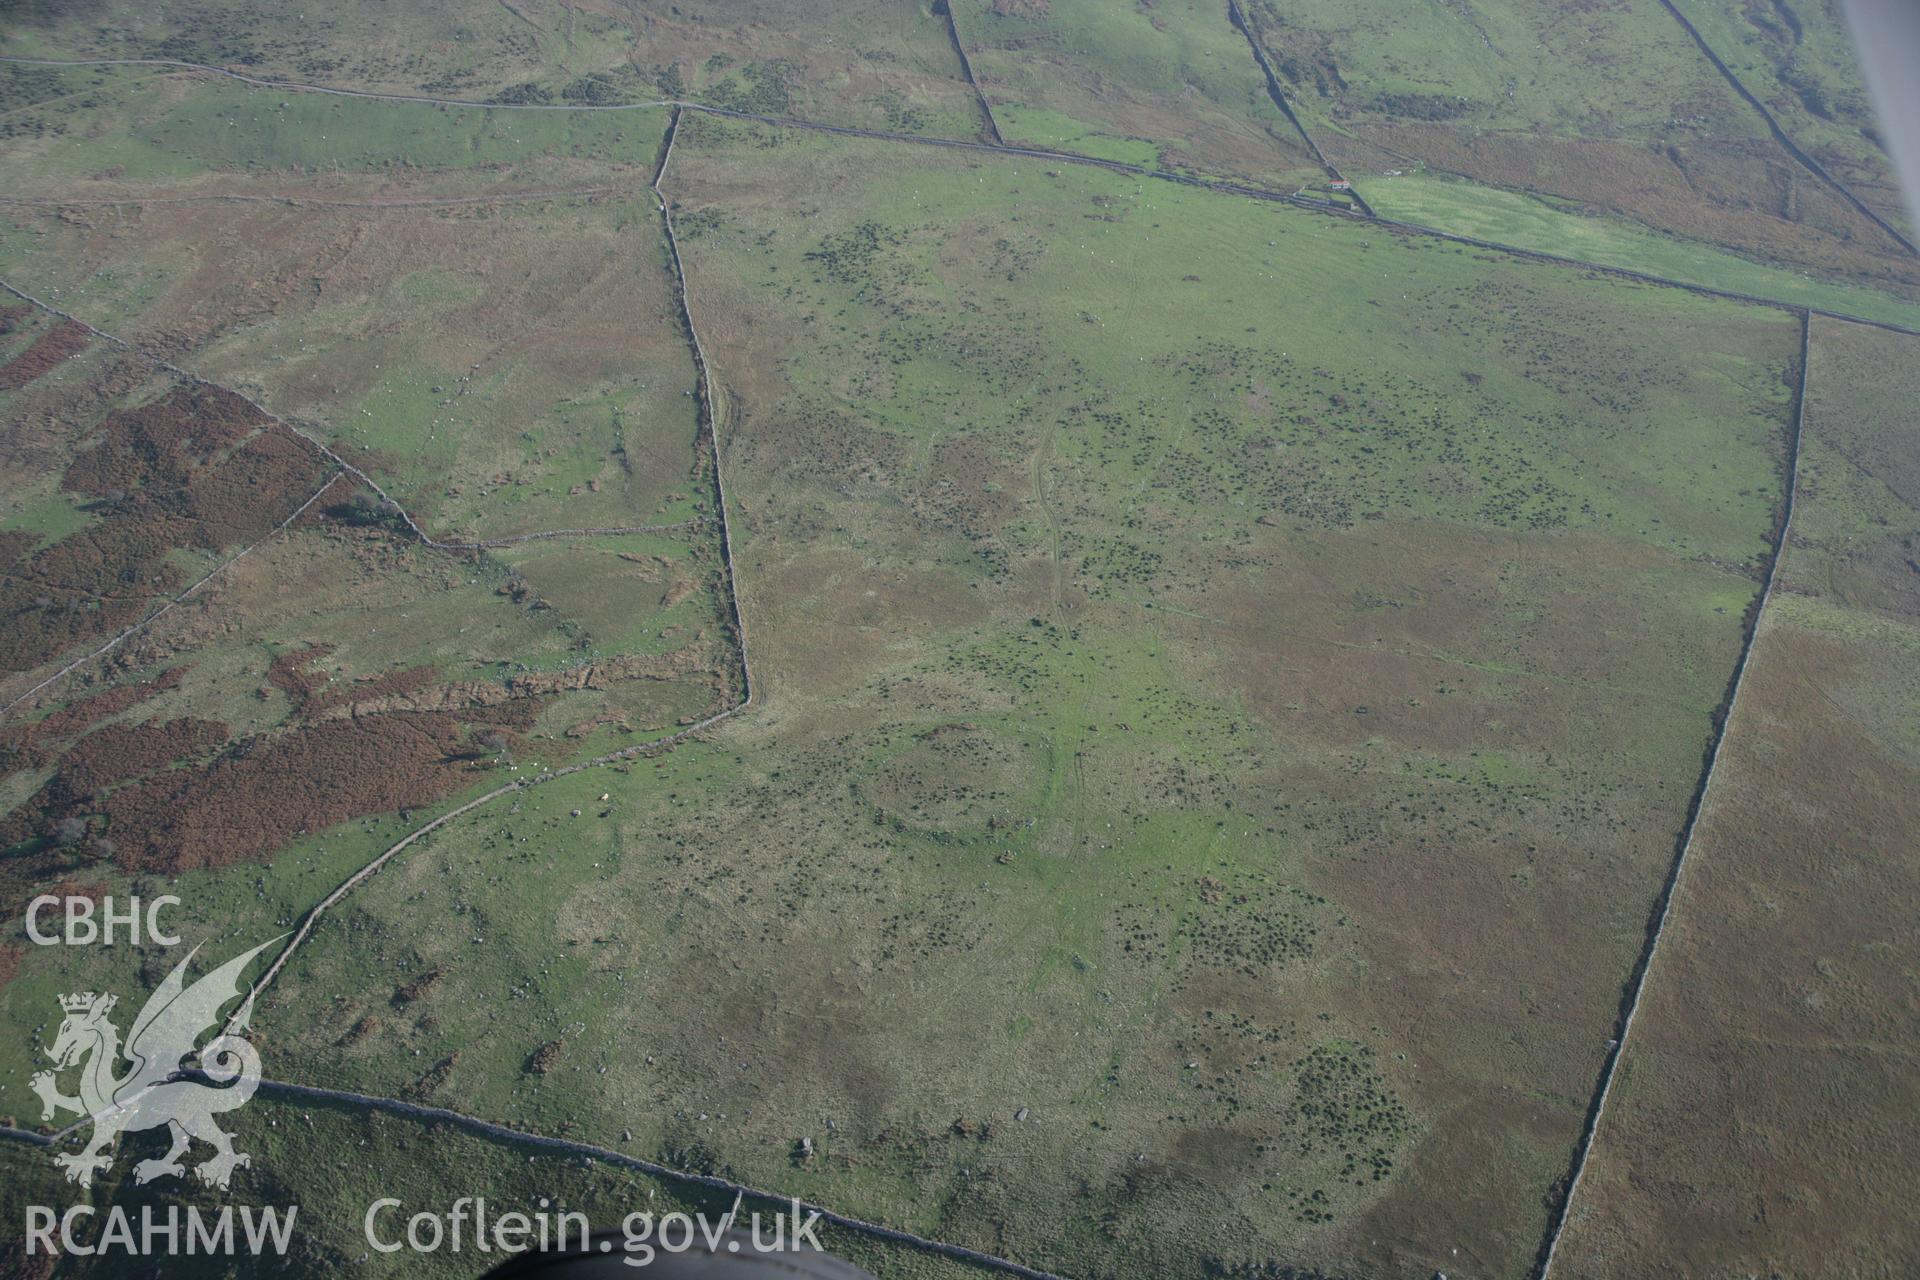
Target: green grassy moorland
1530,222
1228,680
481,359
1145,853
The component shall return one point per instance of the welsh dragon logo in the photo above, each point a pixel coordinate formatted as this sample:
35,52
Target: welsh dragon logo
155,1089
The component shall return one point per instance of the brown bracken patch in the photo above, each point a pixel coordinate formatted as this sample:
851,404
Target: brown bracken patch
289,673
122,751
104,758
195,469
62,342
25,746
268,791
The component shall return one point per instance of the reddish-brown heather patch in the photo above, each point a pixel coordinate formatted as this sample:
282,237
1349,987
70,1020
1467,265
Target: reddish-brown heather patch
90,710
269,791
194,469
289,673
25,746
122,751
64,341
103,759
161,444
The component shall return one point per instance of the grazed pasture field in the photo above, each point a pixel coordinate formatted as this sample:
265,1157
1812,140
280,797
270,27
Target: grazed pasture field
1572,230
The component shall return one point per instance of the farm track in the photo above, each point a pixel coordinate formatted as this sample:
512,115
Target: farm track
1663,906
1035,153
1807,162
